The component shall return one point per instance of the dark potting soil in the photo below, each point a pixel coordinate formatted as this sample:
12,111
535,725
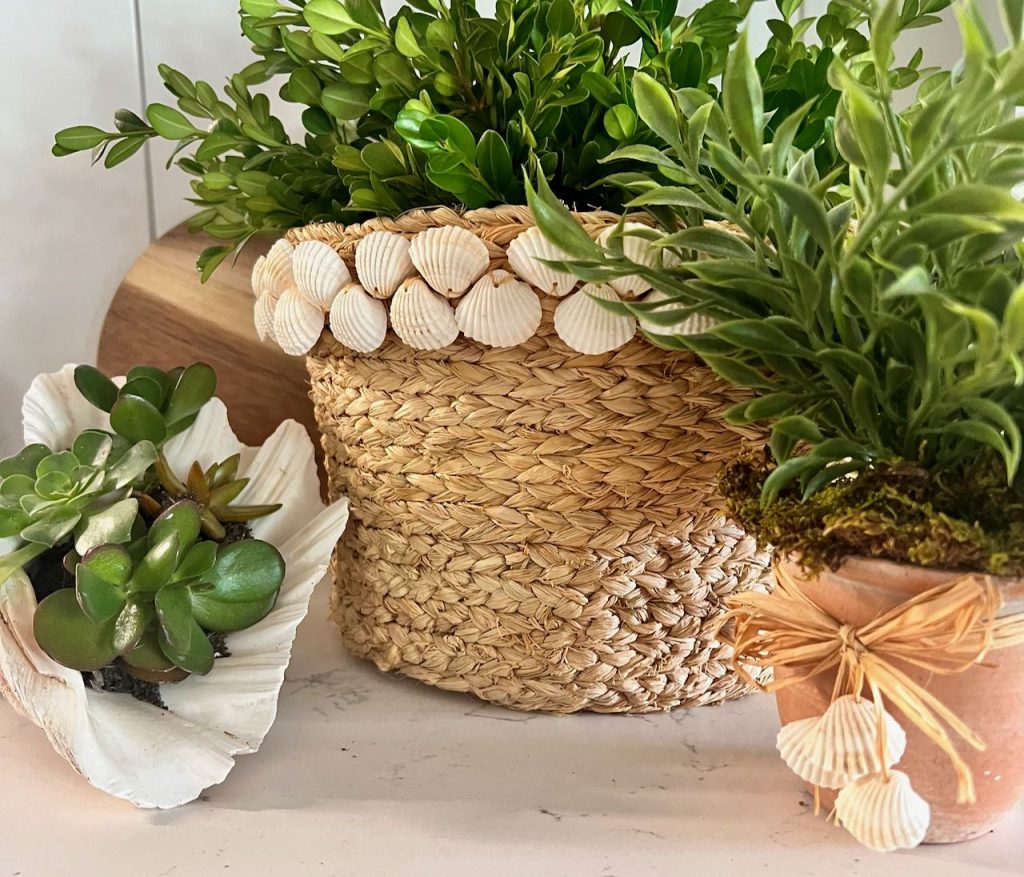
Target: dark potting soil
47,573
118,680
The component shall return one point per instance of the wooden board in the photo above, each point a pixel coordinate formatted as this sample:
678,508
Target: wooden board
163,316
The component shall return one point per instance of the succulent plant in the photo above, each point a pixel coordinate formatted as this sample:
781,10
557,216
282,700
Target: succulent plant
152,405
213,491
151,603
83,492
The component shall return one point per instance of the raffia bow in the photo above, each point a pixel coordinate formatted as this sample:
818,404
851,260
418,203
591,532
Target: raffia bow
945,631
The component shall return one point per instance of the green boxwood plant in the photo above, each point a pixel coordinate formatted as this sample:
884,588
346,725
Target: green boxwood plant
442,105
880,323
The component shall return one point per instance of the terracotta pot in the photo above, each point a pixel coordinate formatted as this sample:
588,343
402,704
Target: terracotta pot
989,698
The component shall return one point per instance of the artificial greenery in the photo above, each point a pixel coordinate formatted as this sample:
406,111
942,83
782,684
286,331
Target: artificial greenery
137,573
440,104
880,323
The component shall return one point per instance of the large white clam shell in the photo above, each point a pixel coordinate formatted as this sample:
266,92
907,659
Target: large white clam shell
320,273
359,321
297,322
263,317
840,746
695,324
499,311
884,813
450,258
272,273
525,255
587,327
635,248
151,757
422,318
382,263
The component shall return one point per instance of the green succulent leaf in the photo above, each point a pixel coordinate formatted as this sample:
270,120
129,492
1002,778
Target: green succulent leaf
138,420
194,388
96,387
110,525
100,599
69,636
157,565
182,521
199,656
224,617
245,572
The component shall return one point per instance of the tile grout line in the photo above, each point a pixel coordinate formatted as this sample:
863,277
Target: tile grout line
140,63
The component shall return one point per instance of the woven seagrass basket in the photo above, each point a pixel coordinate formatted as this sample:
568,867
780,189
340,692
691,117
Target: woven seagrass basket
530,524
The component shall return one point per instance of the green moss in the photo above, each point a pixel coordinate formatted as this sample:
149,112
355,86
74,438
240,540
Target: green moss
968,519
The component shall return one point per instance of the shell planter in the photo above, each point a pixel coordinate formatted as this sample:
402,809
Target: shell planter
532,484
136,750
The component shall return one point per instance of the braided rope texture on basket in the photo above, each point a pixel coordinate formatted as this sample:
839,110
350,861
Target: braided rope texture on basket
530,524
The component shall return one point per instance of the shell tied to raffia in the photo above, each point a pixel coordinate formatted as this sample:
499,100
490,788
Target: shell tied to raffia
637,249
587,326
449,258
382,263
839,747
422,318
499,311
526,255
357,320
263,316
298,323
884,812
320,273
272,273
695,324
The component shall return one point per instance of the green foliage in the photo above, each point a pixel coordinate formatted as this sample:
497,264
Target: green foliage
152,405
440,104
881,320
152,601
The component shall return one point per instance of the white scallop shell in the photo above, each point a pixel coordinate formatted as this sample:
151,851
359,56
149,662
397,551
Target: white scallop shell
638,250
884,813
382,263
359,321
151,757
449,258
524,257
499,311
272,273
320,273
695,324
840,746
587,327
263,317
297,323
422,318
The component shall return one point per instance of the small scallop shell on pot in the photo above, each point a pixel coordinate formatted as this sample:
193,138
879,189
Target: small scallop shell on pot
297,323
499,311
451,259
263,317
839,747
320,273
359,321
695,324
421,318
272,273
588,327
525,257
636,249
884,813
382,263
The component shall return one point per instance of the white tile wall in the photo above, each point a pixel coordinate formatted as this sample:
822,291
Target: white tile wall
69,232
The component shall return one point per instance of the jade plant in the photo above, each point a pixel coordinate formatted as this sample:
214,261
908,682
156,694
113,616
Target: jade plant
878,324
138,574
442,104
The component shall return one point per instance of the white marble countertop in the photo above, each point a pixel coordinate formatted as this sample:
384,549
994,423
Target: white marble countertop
374,775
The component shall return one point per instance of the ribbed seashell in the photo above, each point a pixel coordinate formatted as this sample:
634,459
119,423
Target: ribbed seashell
587,327
695,324
320,273
297,322
164,758
451,259
422,318
840,746
359,321
884,813
636,249
525,255
382,263
499,311
272,273
263,317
